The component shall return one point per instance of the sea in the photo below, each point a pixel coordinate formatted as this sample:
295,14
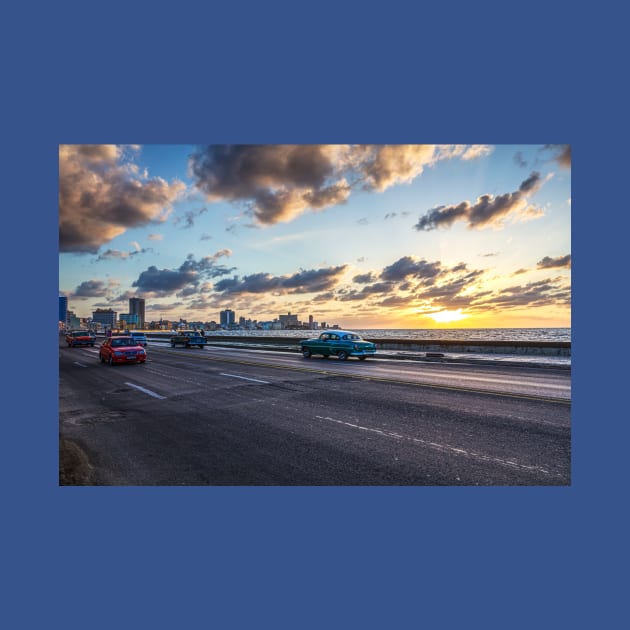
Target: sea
425,334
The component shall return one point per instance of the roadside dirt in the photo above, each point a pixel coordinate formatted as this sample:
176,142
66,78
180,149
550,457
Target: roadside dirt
74,465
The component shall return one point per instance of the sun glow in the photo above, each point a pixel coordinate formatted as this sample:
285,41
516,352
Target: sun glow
445,317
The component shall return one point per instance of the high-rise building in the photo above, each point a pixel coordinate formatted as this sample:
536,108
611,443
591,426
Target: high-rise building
136,307
227,317
63,308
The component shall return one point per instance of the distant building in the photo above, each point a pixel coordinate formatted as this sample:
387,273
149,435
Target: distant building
106,317
288,321
63,309
130,320
72,320
227,318
136,307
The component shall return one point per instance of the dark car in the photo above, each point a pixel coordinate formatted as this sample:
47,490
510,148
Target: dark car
121,350
338,343
80,338
188,339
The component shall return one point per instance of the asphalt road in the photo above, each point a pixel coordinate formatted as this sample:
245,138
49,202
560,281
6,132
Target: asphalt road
220,416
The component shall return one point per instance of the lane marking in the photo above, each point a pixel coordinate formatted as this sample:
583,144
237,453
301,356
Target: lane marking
146,391
80,364
245,378
444,448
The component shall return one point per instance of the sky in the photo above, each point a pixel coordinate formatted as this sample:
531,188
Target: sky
363,236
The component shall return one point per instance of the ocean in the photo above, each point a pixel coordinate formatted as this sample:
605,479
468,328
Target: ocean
457,334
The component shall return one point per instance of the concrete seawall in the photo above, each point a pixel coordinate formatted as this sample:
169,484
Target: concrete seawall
530,348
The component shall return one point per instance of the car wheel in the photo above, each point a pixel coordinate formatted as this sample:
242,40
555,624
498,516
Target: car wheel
111,361
100,356
361,358
306,353
343,355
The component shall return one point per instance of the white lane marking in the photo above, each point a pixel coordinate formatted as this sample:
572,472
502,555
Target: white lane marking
80,364
444,448
245,378
504,381
146,391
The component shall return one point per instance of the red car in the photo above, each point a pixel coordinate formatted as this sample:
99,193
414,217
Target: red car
80,338
121,350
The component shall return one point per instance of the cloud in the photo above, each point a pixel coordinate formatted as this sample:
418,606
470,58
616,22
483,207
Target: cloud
304,281
188,220
102,194
561,153
90,288
488,211
550,263
187,279
549,292
109,254
280,182
364,278
410,266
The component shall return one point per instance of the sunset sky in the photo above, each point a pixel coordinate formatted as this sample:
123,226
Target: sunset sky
366,236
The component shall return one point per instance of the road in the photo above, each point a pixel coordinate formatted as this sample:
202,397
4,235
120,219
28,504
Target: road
224,416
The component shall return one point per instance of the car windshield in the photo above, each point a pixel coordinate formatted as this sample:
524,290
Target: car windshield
81,334
123,341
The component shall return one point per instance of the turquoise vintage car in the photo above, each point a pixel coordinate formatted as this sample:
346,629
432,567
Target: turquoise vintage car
338,343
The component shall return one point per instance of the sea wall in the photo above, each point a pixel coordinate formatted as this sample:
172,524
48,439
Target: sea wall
532,348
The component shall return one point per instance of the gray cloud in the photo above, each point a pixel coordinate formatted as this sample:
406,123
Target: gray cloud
550,263
120,255
186,279
188,219
90,288
561,153
409,266
364,278
304,281
488,211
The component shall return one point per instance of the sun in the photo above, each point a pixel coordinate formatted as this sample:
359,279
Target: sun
445,317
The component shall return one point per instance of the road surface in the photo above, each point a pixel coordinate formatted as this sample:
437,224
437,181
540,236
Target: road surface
224,416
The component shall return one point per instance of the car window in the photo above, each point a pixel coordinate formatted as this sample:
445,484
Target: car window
334,337
122,342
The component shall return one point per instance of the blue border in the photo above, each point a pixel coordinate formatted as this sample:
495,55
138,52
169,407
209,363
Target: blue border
300,557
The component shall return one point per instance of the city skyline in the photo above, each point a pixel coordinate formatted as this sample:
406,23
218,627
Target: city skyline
373,236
